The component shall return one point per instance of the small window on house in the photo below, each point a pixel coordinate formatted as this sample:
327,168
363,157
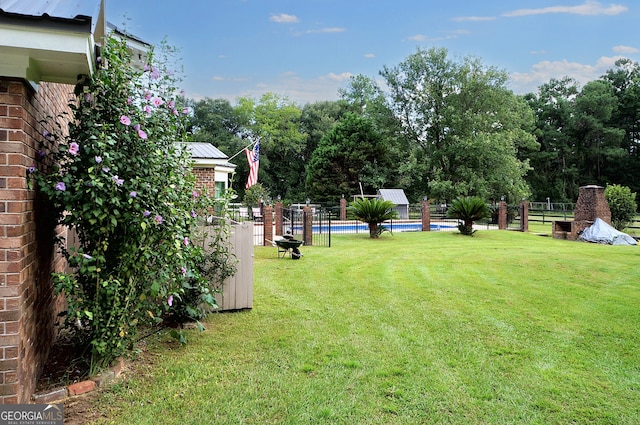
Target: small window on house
220,189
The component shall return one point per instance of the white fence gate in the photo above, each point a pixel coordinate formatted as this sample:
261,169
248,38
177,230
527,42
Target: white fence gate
236,292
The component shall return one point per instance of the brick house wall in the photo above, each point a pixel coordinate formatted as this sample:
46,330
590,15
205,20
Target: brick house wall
28,308
205,178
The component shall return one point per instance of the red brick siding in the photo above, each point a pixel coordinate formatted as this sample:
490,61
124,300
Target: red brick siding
206,179
28,308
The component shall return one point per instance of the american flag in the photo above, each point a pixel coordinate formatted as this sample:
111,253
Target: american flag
253,156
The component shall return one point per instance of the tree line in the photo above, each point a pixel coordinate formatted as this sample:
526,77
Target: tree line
441,128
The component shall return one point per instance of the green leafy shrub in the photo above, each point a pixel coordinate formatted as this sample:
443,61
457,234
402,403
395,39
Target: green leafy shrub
468,209
120,180
255,195
622,204
373,211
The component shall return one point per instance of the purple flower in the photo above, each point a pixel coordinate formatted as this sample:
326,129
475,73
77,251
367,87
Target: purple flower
155,74
185,111
157,101
61,186
129,101
183,270
194,194
175,112
87,256
46,134
170,300
32,169
171,104
136,127
118,181
148,110
98,159
193,214
142,134
147,94
147,213
133,194
73,148
146,67
106,169
125,120
185,241
158,219
41,154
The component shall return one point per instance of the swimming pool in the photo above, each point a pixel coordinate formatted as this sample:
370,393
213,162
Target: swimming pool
363,227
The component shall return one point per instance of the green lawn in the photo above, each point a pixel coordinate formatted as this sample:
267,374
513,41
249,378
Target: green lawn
414,328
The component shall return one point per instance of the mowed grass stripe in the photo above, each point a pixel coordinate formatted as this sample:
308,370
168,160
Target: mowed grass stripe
412,328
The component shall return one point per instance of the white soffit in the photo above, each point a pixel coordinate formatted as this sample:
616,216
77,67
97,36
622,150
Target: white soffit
45,55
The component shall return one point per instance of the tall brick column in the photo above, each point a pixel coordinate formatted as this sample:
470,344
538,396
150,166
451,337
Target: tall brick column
524,216
279,219
267,223
307,223
426,215
502,215
343,209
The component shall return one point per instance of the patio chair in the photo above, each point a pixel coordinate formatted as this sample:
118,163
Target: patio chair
244,213
257,213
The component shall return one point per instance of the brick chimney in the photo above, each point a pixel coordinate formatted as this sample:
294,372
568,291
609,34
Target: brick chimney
591,204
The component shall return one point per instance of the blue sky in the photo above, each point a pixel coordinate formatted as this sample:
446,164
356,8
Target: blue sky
308,49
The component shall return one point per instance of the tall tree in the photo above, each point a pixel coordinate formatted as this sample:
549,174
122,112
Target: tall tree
556,172
625,79
276,121
468,127
318,119
598,143
351,153
367,99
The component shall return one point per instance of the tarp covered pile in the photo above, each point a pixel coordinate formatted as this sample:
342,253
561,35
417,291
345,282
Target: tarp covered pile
601,232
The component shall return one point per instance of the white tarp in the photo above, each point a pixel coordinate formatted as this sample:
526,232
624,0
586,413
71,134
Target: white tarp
601,232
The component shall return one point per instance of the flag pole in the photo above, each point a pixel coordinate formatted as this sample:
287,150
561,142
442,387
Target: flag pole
242,150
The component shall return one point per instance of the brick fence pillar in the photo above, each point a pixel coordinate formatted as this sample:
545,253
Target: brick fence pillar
426,215
279,218
502,215
343,209
307,223
524,216
267,223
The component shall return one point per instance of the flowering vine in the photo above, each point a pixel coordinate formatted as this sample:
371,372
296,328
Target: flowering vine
124,184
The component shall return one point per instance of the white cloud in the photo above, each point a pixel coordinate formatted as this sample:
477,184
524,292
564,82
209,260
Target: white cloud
301,90
339,77
541,72
229,79
589,7
283,18
626,49
474,18
418,37
369,55
326,30
450,35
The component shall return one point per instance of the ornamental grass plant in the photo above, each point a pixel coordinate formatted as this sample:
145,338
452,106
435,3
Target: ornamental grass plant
420,328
